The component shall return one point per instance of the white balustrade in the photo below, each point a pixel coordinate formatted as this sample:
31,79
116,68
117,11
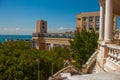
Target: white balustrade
118,58
109,54
114,55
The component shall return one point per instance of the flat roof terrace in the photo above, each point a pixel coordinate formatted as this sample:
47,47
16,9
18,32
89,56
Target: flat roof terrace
54,35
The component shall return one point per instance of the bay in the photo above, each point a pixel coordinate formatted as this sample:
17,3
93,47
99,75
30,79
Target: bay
3,38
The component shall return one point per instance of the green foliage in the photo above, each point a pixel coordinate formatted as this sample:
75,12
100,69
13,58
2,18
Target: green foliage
83,46
18,61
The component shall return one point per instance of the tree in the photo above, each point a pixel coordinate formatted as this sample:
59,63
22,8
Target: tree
17,61
83,46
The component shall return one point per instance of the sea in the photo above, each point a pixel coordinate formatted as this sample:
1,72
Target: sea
3,38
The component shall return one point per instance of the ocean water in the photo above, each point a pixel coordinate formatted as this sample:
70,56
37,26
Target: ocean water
3,38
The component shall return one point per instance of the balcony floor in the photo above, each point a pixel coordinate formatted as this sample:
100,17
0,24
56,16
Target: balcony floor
97,76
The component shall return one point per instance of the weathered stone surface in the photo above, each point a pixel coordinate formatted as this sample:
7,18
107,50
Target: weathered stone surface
98,76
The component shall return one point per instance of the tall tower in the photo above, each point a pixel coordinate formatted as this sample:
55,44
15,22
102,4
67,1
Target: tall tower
41,26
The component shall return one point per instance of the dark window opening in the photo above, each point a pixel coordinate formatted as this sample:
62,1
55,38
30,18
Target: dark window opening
78,19
97,18
43,27
91,27
91,19
43,23
84,18
97,27
84,27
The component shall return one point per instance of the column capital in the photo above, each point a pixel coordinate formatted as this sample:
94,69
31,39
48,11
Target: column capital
102,2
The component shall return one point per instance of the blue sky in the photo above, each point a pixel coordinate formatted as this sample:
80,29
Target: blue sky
19,16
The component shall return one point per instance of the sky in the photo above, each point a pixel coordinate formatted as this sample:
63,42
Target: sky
19,16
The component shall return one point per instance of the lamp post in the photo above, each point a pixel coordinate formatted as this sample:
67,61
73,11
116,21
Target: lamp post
38,62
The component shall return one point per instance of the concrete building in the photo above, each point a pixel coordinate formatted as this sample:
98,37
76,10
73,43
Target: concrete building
89,21
41,26
43,40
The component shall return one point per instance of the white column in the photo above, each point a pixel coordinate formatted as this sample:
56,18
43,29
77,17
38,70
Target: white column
51,45
108,20
101,29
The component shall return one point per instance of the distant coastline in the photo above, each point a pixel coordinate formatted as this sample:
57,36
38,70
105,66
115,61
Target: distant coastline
4,37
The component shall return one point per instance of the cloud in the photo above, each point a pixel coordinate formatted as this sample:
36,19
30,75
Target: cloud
62,28
20,30
17,29
65,29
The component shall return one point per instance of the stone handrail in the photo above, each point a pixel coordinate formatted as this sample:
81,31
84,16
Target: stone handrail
62,70
114,53
89,63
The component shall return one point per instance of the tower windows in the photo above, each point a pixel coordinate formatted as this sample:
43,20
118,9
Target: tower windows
43,27
43,23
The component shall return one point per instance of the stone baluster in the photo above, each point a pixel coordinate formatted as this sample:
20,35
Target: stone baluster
109,54
112,54
100,51
115,56
118,58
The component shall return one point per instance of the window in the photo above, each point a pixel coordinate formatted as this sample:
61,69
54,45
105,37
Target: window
97,18
78,27
64,35
43,23
84,27
78,19
97,27
90,27
84,23
91,19
43,27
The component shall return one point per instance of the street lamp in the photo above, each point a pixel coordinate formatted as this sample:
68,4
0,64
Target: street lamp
38,62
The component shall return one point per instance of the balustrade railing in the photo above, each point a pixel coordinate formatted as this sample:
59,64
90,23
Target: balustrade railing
90,63
114,55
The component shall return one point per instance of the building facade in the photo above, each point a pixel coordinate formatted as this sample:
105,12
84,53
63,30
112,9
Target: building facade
89,21
107,56
41,26
45,41
105,61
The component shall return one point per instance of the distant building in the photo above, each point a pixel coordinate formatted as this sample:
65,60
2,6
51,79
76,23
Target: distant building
43,40
41,26
89,21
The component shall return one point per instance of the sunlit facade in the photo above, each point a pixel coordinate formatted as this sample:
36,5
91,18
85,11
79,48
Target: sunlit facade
107,56
89,21
45,41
